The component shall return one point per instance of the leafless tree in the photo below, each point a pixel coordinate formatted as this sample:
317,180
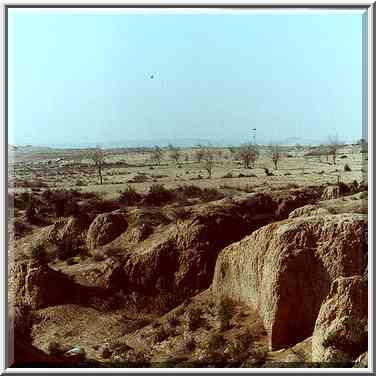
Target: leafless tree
248,154
333,146
199,153
157,154
363,145
275,154
208,159
175,153
233,151
98,156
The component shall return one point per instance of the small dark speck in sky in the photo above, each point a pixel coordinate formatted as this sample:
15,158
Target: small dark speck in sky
152,76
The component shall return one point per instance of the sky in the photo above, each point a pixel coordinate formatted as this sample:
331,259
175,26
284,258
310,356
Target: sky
113,78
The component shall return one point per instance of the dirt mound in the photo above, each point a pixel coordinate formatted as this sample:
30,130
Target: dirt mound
105,228
295,199
24,354
140,232
284,270
335,191
341,330
178,260
36,285
64,232
308,210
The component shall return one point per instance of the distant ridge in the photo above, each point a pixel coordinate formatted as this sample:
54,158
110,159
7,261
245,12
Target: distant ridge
163,142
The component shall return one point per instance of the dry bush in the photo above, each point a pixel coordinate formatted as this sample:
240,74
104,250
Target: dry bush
129,196
157,195
194,319
161,334
173,321
215,341
226,310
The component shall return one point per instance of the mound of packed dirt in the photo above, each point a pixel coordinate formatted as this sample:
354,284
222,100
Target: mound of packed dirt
284,270
308,210
36,285
70,230
105,228
177,260
341,329
335,191
295,199
24,354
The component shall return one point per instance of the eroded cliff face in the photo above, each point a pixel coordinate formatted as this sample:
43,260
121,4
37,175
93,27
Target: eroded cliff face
284,270
341,329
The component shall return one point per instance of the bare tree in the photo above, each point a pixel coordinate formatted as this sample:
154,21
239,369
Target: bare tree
363,145
157,154
248,154
208,159
98,157
174,153
199,153
233,151
333,146
275,154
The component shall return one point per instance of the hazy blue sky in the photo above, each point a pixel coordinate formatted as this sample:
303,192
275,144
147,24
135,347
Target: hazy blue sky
85,78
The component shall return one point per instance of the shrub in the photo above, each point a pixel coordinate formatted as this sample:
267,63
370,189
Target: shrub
54,348
173,321
20,228
130,196
80,183
267,172
161,334
71,261
214,342
67,248
194,318
30,211
190,345
211,194
226,310
190,190
346,167
157,195
227,176
180,214
39,253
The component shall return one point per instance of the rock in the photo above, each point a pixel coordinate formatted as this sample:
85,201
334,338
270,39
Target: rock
341,329
308,210
362,361
105,228
284,270
76,352
28,280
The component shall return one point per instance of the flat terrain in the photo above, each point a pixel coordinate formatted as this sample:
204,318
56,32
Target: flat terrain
64,169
